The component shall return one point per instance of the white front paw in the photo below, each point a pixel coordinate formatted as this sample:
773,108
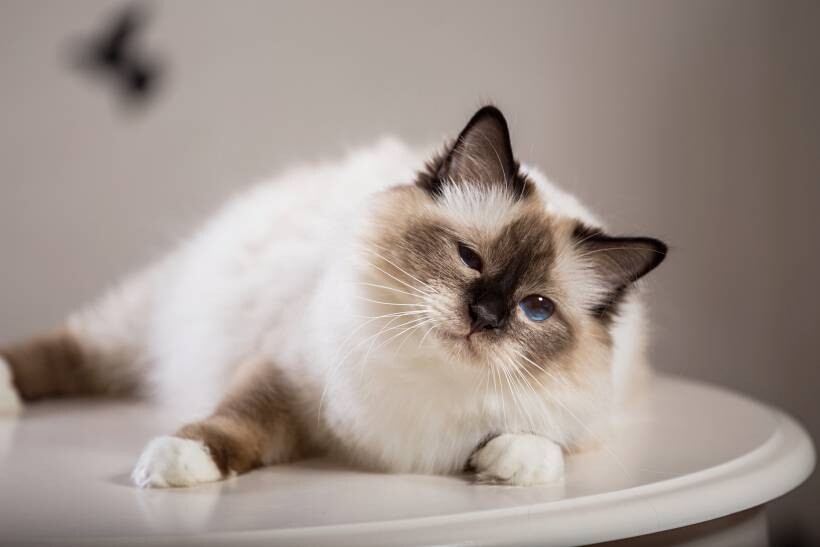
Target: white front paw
520,460
172,461
10,404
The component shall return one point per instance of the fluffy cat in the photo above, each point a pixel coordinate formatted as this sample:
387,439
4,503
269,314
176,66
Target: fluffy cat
409,317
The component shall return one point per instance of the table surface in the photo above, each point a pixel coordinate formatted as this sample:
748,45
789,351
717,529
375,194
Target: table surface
691,453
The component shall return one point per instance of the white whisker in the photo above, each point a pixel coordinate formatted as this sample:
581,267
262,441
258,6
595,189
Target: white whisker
388,303
589,431
418,294
500,395
411,322
333,370
409,334
423,338
409,286
411,276
515,371
396,314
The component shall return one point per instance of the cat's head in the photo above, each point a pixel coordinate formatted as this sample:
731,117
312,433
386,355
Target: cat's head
475,256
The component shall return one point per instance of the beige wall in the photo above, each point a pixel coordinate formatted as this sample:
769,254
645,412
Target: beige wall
694,121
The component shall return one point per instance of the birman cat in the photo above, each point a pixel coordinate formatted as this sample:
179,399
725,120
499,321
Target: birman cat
406,312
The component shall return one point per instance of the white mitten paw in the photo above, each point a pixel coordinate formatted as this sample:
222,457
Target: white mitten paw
519,460
173,461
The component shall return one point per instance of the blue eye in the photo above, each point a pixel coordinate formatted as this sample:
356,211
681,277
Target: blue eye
537,307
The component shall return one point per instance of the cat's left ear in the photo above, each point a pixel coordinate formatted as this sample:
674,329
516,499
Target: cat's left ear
482,154
619,261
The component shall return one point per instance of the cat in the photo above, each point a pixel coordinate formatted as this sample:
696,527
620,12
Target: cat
457,314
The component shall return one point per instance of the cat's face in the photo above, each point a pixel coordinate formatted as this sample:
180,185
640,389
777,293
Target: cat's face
470,257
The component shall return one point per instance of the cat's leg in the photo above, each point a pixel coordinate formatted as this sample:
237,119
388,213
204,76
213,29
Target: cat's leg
99,349
47,365
518,459
253,426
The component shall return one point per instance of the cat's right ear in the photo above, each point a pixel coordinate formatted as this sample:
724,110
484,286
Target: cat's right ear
482,154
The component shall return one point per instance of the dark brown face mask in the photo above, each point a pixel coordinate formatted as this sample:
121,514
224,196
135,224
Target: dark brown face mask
482,155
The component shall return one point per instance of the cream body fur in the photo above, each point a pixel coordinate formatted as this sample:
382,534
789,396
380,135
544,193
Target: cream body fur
405,316
274,273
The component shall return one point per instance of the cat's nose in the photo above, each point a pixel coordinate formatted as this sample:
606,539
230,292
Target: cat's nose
484,317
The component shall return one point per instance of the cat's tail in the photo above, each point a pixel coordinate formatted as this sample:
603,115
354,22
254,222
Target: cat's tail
100,350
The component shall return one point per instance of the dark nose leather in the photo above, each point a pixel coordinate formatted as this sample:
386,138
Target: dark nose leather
485,316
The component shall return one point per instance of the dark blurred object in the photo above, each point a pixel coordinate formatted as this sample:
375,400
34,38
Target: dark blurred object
792,531
114,54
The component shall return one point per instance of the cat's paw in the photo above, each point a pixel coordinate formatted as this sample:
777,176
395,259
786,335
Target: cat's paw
10,404
173,461
519,460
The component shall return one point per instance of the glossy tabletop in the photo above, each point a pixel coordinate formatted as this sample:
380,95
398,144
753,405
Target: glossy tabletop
689,454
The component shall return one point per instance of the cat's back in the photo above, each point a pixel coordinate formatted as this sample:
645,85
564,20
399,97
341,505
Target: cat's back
247,272
282,232
288,222
308,201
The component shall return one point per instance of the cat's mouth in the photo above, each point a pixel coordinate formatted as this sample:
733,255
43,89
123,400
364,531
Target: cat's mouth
469,340
456,335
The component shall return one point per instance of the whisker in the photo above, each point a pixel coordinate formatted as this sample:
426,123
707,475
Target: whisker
515,371
516,402
394,289
421,292
396,314
560,380
402,270
500,395
409,334
388,303
589,431
350,335
333,370
485,375
414,323
423,338
432,322
411,322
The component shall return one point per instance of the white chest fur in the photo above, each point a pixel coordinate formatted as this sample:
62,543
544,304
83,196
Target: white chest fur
417,412
405,407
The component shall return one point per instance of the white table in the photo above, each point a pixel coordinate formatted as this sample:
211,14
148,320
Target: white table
700,455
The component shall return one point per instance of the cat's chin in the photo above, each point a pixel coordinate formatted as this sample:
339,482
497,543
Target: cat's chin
470,349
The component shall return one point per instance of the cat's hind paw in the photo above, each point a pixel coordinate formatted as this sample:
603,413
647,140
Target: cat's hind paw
10,404
173,462
519,460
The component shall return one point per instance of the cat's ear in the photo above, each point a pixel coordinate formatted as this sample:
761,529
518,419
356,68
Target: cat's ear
482,154
618,261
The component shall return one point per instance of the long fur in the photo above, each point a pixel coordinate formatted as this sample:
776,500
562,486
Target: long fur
296,273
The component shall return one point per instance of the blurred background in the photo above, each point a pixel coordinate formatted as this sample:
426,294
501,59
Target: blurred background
695,121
